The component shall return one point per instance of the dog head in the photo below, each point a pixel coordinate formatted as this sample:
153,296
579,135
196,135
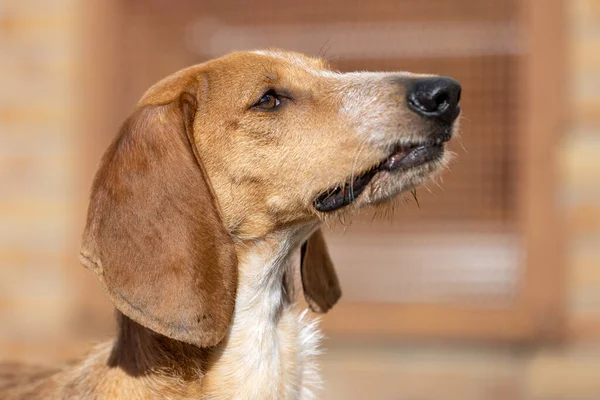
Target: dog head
241,147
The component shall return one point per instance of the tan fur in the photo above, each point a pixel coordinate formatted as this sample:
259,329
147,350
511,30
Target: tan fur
196,220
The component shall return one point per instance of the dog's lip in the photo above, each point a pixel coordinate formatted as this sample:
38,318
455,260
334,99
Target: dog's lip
402,158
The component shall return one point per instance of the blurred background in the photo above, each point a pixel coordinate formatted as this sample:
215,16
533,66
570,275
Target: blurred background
488,289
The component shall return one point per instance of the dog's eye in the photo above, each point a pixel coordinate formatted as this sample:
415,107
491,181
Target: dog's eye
269,101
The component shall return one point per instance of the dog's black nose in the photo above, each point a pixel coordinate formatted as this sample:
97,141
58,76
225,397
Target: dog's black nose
435,98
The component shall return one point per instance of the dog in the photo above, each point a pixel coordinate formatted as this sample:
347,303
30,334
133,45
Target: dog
217,182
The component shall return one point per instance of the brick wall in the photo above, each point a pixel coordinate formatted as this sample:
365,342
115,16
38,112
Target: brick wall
581,165
37,61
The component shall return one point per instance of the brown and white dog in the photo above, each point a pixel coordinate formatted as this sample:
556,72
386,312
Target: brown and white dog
222,174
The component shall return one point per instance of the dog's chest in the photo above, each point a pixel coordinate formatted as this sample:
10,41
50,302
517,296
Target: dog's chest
270,352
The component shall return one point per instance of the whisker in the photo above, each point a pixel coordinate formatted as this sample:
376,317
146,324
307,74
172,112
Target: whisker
346,228
321,53
414,194
342,218
327,51
327,222
460,142
392,211
325,48
374,216
440,185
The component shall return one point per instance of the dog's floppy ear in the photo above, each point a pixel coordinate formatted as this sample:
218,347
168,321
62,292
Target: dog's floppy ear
154,236
319,280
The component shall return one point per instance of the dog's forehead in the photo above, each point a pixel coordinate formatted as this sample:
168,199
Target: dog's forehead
270,64
245,74
292,59
243,70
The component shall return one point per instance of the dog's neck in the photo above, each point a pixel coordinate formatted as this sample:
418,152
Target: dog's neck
270,348
140,352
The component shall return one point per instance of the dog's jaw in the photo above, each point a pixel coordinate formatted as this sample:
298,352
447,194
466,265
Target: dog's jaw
387,185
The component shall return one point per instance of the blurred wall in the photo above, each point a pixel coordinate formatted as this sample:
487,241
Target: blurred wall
581,167
559,371
40,222
38,167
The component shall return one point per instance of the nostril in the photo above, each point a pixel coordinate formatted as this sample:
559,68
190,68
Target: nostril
424,102
441,99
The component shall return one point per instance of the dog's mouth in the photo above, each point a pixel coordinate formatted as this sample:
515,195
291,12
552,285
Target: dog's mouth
403,158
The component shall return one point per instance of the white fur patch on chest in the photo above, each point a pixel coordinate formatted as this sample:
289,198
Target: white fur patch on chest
271,350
